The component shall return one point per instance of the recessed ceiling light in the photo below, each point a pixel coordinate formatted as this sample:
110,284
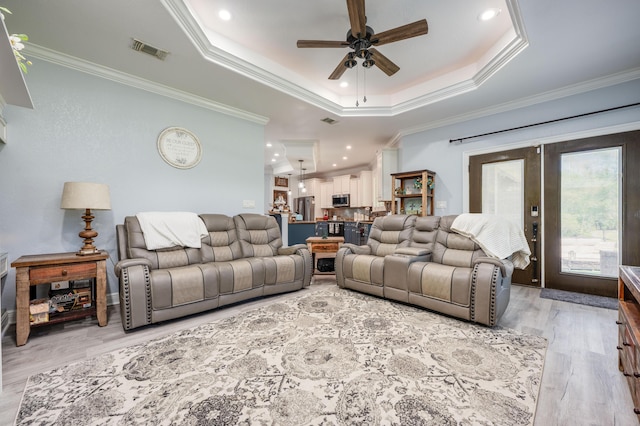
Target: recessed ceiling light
225,15
489,14
344,84
335,165
269,144
344,158
273,160
348,146
276,154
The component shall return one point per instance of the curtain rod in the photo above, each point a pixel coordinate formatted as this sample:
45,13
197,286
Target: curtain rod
543,122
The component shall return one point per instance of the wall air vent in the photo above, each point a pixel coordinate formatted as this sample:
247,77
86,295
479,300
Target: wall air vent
329,120
143,47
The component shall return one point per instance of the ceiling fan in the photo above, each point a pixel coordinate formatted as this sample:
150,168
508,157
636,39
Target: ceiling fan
361,38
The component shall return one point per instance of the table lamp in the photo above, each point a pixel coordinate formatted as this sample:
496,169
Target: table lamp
86,196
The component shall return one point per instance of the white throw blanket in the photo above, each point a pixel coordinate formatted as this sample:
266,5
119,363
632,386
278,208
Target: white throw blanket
171,229
496,235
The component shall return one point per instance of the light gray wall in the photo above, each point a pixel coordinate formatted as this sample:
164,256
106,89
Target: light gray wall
85,128
431,149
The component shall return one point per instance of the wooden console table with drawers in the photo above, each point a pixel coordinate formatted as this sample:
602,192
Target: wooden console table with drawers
629,330
39,269
322,248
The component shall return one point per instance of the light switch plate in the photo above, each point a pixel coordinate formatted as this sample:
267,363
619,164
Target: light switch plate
249,204
441,204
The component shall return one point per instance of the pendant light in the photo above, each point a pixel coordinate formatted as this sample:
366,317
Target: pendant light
301,178
289,185
304,188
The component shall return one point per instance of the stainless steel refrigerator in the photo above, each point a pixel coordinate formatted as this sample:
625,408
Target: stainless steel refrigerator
304,206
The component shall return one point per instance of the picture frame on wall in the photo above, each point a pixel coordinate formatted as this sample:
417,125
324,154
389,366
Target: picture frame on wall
282,181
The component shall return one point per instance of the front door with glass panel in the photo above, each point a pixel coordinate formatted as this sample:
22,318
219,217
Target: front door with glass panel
507,183
584,211
591,207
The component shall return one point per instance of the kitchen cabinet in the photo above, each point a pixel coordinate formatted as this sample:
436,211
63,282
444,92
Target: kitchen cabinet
413,192
386,164
341,185
354,193
300,231
326,191
313,187
365,188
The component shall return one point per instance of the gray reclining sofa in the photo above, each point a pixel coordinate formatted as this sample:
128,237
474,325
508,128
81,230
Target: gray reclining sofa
420,261
241,258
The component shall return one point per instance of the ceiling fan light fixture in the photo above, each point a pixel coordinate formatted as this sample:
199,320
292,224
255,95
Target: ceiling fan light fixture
368,63
361,52
351,62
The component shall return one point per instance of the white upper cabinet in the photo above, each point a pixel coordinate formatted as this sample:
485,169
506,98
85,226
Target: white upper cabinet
326,191
341,185
313,187
354,193
387,163
365,189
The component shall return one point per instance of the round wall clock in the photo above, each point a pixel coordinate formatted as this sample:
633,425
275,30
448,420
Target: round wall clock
179,147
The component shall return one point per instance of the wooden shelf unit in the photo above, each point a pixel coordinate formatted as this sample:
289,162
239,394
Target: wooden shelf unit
629,330
407,199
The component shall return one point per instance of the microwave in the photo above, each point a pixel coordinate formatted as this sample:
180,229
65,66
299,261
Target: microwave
340,200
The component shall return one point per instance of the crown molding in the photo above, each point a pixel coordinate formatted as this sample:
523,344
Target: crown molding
575,89
184,17
100,71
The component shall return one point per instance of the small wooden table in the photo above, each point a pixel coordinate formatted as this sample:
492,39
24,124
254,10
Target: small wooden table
39,269
322,248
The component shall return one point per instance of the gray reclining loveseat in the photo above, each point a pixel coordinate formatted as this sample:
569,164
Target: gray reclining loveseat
241,258
421,261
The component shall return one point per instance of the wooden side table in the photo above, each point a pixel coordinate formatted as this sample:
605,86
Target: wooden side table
322,248
39,269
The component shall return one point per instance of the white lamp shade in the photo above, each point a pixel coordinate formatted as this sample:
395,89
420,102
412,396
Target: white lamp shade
84,195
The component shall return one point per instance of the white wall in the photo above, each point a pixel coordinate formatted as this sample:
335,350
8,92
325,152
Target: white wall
85,128
431,149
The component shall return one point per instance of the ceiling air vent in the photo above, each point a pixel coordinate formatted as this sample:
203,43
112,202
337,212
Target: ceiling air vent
143,47
329,120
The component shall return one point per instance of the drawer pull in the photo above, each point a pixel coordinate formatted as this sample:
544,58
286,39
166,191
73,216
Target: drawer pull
64,272
619,322
626,344
626,374
636,375
636,410
619,348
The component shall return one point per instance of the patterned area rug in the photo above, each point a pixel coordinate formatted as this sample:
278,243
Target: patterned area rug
326,357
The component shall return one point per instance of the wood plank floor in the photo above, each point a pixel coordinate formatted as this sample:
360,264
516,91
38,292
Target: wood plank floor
581,384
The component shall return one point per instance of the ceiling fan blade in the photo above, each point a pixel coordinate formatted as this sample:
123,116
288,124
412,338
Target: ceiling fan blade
400,33
321,43
357,17
382,62
340,69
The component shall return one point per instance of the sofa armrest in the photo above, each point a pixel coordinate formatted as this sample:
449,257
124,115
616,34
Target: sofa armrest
491,289
126,263
291,249
355,249
303,251
135,292
505,265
